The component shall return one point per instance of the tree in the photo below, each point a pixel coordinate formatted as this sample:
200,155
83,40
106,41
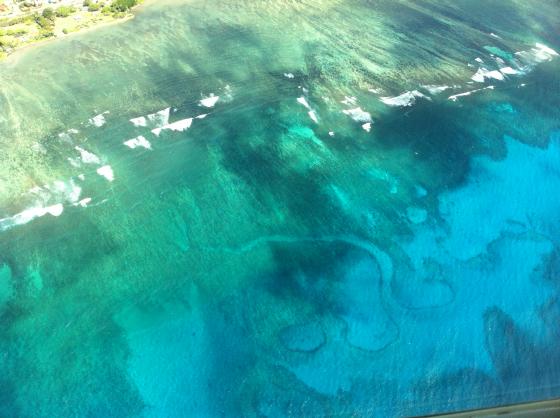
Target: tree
43,22
123,5
65,11
48,13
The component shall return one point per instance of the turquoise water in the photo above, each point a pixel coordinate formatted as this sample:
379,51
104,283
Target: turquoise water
274,209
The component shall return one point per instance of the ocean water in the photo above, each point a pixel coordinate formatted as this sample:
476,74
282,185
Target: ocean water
274,208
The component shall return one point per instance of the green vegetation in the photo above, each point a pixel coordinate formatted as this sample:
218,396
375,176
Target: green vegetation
48,13
43,22
123,5
13,32
15,20
38,25
44,33
7,43
65,11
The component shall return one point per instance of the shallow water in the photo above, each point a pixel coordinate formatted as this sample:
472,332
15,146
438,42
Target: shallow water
283,208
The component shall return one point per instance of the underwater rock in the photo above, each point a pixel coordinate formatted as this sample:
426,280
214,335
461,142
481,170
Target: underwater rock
368,326
416,215
6,286
426,287
304,338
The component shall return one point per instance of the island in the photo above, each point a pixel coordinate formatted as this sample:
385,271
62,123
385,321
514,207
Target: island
27,22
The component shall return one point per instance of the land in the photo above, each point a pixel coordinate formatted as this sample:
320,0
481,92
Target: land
27,22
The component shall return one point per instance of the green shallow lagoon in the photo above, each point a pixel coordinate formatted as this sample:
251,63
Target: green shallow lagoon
283,208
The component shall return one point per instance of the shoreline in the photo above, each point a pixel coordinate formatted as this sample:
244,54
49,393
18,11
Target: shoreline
16,54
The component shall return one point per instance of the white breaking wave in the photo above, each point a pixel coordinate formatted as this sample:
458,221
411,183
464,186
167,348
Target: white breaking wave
98,120
524,62
29,214
139,141
468,93
483,73
44,200
153,120
508,71
311,113
313,116
540,53
139,121
303,101
178,126
408,98
434,89
107,172
84,202
349,100
86,156
358,114
209,101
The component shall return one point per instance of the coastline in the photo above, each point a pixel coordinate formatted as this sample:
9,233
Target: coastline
13,56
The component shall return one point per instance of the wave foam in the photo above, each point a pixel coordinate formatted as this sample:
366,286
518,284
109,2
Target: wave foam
87,157
483,73
209,101
313,116
467,93
358,114
303,101
139,141
154,120
179,126
107,172
98,120
434,89
540,53
407,98
44,200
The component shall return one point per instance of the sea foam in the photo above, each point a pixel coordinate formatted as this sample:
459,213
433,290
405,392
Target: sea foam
483,73
157,119
107,172
407,98
139,141
87,157
435,89
98,120
358,114
44,200
179,126
209,101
